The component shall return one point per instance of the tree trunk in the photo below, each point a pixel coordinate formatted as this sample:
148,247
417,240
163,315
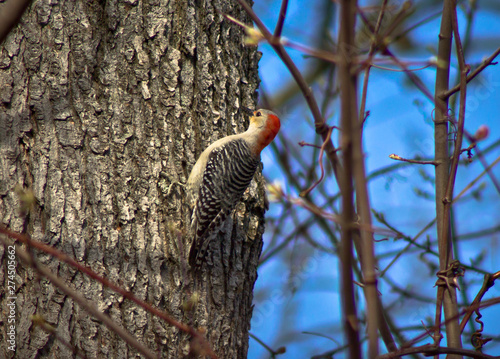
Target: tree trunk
104,104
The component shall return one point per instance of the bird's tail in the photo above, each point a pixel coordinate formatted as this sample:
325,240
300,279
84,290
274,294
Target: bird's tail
201,242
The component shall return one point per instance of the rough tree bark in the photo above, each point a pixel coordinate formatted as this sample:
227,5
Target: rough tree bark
103,105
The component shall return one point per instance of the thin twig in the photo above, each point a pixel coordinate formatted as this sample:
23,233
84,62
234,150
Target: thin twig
409,70
471,308
416,25
271,351
487,62
86,270
411,241
474,181
439,105
488,282
414,78
281,20
420,162
320,161
88,305
430,350
481,158
398,18
371,53
311,207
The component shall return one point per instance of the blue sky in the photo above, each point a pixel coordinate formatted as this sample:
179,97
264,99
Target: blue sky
399,122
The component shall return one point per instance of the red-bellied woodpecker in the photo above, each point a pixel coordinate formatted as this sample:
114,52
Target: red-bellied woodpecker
221,175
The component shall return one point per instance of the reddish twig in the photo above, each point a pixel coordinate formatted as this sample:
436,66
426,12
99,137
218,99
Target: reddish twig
86,270
304,143
320,160
320,212
88,305
481,158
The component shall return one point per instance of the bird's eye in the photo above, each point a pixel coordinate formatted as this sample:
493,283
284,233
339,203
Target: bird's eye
258,114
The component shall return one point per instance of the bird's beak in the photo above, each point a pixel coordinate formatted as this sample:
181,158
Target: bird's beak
252,118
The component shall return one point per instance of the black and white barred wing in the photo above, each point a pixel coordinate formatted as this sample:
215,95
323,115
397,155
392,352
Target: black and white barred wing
228,173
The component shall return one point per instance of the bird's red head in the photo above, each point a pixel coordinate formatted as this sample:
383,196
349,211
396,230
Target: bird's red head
268,124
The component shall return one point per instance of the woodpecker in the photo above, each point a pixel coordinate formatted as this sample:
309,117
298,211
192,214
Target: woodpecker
221,175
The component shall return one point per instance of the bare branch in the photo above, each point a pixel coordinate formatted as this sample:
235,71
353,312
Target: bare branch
281,20
487,62
348,140
64,258
420,162
89,306
430,350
